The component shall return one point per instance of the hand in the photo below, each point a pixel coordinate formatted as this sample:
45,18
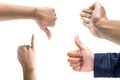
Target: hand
45,17
93,17
26,55
81,60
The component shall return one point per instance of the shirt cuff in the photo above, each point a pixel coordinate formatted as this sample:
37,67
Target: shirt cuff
102,67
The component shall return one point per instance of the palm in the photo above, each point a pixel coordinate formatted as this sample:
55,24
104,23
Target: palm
87,63
94,30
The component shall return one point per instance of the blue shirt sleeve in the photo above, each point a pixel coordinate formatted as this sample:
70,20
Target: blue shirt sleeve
107,65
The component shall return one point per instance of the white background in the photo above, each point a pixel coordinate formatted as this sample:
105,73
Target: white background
51,55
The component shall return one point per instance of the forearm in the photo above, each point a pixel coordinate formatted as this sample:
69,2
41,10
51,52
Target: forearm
111,30
9,11
29,74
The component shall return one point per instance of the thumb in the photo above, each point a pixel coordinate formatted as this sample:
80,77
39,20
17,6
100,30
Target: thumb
79,44
32,41
94,5
48,33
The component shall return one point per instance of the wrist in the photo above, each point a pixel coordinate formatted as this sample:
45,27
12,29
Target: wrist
28,69
100,23
93,62
37,13
33,13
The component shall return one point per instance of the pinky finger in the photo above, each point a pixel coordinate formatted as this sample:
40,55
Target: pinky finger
86,25
77,68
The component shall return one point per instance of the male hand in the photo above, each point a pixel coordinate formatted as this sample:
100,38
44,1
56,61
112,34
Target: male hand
93,17
81,60
26,55
45,17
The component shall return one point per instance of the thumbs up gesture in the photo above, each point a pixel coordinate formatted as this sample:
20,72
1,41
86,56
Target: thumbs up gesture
82,59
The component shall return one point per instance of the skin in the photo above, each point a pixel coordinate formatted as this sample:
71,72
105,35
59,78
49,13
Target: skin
44,16
95,19
26,57
81,60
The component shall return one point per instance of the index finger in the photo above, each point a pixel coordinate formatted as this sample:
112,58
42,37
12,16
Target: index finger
87,10
32,41
74,54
